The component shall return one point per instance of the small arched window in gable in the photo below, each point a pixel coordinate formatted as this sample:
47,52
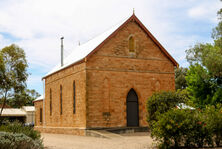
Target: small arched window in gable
131,44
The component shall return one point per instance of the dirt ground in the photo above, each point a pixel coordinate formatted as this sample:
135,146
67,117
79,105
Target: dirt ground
126,141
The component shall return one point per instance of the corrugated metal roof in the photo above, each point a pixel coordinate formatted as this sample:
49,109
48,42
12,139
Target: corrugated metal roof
184,106
80,52
84,50
39,98
13,112
28,108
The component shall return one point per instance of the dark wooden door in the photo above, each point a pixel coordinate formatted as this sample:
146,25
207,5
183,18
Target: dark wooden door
132,109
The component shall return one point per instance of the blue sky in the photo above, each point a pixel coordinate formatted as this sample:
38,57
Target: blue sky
37,26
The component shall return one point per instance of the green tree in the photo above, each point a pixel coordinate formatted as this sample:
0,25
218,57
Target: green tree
13,74
161,102
208,56
31,96
201,86
25,98
180,80
204,79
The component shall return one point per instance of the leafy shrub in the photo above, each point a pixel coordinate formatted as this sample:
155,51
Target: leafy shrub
17,127
161,102
170,127
18,141
213,118
181,127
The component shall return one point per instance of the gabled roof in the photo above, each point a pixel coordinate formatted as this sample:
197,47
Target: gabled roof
85,50
28,108
39,98
13,112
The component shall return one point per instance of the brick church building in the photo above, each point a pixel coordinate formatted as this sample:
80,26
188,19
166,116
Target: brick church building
105,82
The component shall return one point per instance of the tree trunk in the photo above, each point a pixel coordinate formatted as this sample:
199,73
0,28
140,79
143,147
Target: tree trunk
3,105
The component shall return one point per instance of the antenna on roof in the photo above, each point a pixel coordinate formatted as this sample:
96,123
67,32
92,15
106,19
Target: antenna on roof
62,51
133,10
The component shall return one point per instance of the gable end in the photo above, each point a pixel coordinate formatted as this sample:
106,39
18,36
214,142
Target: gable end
136,20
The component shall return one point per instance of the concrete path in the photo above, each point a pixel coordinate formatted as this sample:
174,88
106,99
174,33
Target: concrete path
126,141
102,134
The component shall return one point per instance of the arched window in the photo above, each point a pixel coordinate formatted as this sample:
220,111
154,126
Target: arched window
132,109
131,44
61,99
50,104
40,118
74,97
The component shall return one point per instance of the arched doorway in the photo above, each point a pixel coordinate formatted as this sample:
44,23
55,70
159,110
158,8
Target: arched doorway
132,109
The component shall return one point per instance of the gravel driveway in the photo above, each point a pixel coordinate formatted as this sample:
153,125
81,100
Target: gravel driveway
126,141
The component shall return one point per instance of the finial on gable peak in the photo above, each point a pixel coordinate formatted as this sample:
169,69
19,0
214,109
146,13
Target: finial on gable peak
133,11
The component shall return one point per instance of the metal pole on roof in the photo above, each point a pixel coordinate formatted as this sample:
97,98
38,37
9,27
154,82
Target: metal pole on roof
62,51
43,81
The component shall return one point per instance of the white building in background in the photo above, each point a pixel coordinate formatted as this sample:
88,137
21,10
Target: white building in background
30,114
25,114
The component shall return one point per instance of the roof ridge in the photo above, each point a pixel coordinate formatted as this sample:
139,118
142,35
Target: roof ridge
86,48
108,28
91,46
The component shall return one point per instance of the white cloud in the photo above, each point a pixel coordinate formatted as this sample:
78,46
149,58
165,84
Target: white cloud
205,11
39,24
